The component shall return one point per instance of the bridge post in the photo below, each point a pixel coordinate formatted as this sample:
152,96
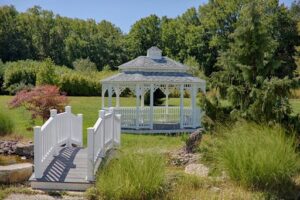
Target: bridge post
102,116
80,128
90,154
38,173
112,128
53,113
118,130
68,110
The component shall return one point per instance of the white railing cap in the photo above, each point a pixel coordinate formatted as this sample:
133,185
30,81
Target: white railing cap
102,113
53,112
68,109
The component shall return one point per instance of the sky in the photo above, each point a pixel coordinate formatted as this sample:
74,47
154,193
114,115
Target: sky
122,13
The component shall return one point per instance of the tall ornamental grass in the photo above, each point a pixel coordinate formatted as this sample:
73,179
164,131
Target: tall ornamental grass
258,156
6,124
132,176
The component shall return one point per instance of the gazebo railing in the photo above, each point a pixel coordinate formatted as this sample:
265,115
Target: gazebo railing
161,115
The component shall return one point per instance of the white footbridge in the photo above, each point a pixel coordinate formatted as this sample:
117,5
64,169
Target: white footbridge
60,160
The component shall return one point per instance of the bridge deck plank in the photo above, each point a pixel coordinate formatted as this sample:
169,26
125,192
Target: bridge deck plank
70,165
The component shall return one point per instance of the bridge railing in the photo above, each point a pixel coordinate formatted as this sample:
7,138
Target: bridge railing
102,136
59,129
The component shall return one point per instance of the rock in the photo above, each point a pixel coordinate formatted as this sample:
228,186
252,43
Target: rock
193,141
181,158
23,158
24,150
15,173
197,169
10,152
215,189
6,149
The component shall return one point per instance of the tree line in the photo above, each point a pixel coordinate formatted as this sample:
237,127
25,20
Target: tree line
198,36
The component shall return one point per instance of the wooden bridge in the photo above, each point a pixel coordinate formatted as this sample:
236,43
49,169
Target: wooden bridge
61,162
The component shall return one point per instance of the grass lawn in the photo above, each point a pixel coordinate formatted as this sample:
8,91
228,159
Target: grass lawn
88,106
295,105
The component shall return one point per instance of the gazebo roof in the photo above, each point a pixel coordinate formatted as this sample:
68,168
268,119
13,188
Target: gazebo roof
153,68
153,62
153,77
145,63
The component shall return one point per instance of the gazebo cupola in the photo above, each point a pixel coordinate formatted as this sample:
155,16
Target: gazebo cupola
147,74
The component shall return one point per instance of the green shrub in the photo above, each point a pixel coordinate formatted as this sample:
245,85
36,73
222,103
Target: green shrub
138,176
27,73
84,65
46,73
19,72
75,84
6,124
258,156
2,70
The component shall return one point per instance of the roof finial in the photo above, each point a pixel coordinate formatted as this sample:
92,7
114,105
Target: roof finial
154,53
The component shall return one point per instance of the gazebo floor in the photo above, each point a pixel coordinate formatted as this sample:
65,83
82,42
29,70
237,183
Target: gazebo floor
161,128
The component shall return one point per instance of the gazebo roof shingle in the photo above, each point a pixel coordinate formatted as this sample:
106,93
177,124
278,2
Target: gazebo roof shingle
145,63
156,77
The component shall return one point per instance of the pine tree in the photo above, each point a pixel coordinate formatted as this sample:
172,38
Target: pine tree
297,57
247,77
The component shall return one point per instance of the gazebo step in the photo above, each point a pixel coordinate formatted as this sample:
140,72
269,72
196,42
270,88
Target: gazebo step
147,131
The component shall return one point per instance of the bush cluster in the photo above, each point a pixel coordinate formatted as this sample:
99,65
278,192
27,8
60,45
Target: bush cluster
258,156
27,73
6,124
19,73
76,84
132,176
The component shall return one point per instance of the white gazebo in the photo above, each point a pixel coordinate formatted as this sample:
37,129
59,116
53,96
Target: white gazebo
147,74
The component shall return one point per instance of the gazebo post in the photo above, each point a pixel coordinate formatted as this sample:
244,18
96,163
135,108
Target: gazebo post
117,91
102,96
109,95
142,96
167,98
151,105
137,92
194,93
181,106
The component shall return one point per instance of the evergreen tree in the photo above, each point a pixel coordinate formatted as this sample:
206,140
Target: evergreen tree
247,77
297,57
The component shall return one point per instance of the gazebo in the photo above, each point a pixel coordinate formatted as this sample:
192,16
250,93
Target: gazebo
147,74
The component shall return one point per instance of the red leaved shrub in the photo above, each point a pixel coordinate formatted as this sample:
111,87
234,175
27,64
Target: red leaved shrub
40,100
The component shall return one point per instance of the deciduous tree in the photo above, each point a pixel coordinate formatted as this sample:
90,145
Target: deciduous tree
39,100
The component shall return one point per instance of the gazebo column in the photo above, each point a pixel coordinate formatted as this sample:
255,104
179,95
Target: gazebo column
142,96
137,93
151,105
194,112
167,98
117,91
103,96
181,106
109,95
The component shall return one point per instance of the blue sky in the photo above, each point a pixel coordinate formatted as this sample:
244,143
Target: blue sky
122,13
